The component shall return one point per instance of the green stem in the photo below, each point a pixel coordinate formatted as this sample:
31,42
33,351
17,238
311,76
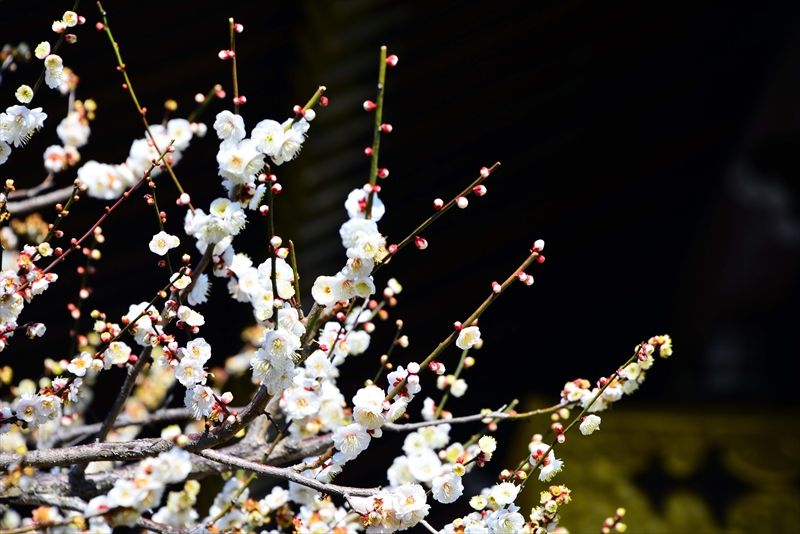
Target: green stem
142,111
388,354
202,106
435,216
376,134
231,25
313,101
160,224
471,319
446,395
613,377
296,277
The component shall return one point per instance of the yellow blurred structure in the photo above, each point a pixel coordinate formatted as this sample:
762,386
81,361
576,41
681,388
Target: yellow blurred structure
712,471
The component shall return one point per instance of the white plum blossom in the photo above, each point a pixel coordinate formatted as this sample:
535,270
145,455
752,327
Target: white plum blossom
268,136
589,424
467,337
116,353
19,123
162,242
199,292
368,407
356,205
447,488
229,127
190,317
200,401
351,440
80,364
293,140
505,493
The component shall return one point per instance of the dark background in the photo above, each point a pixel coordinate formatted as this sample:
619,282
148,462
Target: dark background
653,148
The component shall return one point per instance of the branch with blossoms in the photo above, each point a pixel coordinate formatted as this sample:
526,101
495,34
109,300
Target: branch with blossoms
299,425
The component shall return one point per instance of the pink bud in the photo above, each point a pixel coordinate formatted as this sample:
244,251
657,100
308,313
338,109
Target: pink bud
185,198
71,38
438,204
273,178
223,54
561,438
529,280
263,210
226,397
376,188
602,382
479,190
383,173
484,172
368,188
298,110
392,60
386,128
538,245
81,19
100,26
220,93
323,101
521,276
421,243
231,419
496,288
171,149
340,316
276,189
368,151
238,28
392,249
457,325
540,258
369,105
242,99
462,202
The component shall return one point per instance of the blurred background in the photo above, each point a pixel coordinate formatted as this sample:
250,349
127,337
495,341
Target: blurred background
653,147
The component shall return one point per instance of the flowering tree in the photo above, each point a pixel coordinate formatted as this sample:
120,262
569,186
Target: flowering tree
297,427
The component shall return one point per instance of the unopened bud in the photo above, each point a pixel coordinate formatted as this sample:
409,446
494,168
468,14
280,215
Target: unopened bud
383,173
277,188
438,204
421,242
310,115
263,210
479,190
462,202
238,28
298,110
484,172
392,60
276,241
368,151
496,288
386,128
369,105
323,101
538,245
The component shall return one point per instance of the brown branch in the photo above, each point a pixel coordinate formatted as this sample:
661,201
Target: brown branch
392,427
58,484
287,474
21,207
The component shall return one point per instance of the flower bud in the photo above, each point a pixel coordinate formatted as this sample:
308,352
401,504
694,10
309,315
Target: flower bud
538,245
386,128
276,189
369,105
479,190
438,204
310,115
462,202
383,173
238,28
368,151
421,243
392,60
263,210
323,101
496,288
298,110
484,172
413,367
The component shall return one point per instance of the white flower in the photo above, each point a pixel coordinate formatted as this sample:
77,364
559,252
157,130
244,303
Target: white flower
190,371
409,504
198,348
5,151
24,93
318,365
350,440
458,388
356,205
42,50
229,127
505,493
368,407
268,136
190,317
199,293
240,162
292,141
80,364
350,230
19,123
550,467
300,403
116,353
289,319
505,521
162,242
73,131
467,337
589,424
181,131
324,291
200,401
447,488
280,343
425,466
